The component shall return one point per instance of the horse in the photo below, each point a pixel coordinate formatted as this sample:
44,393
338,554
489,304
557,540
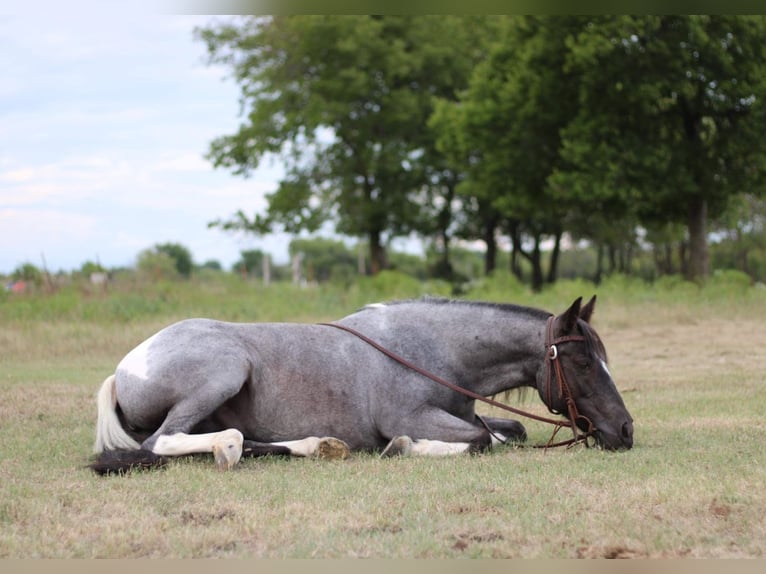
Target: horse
298,389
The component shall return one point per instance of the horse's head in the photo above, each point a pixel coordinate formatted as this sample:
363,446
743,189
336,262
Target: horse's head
576,354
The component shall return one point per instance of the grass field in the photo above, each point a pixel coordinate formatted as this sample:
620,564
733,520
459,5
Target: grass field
689,363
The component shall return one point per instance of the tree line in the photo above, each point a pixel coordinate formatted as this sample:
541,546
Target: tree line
624,131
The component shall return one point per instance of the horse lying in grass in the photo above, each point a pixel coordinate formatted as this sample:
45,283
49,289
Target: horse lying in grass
236,389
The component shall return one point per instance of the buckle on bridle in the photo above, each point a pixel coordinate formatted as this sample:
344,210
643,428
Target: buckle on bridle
553,352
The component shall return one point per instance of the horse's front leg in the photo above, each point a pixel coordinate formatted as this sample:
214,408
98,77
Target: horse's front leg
434,432
509,429
329,448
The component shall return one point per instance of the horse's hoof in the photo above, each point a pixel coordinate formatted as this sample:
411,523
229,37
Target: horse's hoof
333,449
227,449
400,445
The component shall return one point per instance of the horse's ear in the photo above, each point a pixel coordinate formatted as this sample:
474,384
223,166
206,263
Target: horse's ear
568,319
587,312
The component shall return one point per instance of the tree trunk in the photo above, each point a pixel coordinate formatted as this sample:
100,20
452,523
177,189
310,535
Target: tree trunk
513,231
535,260
378,256
537,266
683,257
699,265
612,258
599,264
490,255
444,268
553,269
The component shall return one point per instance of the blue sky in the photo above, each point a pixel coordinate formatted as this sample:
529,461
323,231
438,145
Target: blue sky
104,123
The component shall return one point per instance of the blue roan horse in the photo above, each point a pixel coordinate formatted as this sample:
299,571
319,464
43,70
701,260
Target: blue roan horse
310,389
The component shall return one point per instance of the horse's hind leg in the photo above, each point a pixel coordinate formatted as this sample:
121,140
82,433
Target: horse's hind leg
173,438
225,445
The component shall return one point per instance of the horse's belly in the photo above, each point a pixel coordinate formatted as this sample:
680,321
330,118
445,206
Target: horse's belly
275,424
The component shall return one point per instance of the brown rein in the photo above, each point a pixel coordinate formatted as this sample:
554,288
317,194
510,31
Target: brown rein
553,362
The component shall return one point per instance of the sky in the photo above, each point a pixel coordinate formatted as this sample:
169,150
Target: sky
104,123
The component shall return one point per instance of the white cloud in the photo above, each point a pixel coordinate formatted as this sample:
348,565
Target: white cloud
37,232
105,120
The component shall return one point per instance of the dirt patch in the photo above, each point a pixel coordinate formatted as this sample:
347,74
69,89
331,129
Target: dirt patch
200,518
610,552
375,529
720,509
464,540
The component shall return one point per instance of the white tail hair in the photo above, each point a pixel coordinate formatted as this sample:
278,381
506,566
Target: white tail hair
109,432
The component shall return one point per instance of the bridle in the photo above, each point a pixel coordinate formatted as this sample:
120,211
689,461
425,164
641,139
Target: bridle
553,362
553,365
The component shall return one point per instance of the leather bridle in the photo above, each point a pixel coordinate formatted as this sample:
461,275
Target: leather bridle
553,366
553,362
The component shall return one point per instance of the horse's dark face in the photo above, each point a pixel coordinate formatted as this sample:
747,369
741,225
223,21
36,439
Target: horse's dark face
584,364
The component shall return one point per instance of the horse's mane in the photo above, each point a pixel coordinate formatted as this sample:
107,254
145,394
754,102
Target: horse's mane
593,344
505,307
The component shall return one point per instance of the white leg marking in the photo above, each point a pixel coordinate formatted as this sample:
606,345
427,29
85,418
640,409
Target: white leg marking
425,447
304,447
181,443
498,438
226,446
136,362
325,447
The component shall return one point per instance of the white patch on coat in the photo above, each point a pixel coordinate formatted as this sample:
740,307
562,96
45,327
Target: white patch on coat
136,362
606,369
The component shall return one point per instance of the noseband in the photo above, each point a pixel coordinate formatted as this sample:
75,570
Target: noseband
553,364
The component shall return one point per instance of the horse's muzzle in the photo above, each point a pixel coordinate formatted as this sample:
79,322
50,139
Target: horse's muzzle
622,440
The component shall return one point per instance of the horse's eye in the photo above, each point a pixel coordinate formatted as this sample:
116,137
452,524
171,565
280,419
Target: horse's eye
583,364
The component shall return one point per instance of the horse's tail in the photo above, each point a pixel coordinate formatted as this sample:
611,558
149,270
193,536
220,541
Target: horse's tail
116,451
109,432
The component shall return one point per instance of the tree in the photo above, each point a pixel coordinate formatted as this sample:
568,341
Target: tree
508,125
28,272
669,116
157,265
345,100
166,260
325,259
180,255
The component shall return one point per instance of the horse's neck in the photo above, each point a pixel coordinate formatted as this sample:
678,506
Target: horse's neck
493,350
508,355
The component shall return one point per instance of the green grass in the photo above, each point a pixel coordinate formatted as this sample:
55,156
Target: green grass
687,360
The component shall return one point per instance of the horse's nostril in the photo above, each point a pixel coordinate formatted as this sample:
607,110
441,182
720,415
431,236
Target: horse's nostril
627,430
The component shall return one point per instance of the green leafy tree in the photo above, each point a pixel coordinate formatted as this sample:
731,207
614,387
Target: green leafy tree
181,256
506,133
669,118
250,262
345,101
28,272
325,259
157,265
